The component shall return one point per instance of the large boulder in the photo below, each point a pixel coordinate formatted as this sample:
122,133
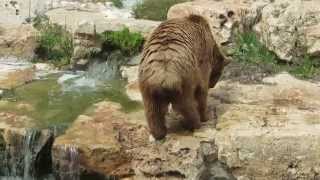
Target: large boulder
17,40
291,28
288,28
270,130
223,16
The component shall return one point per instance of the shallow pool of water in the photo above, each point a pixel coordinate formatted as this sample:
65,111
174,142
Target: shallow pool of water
51,103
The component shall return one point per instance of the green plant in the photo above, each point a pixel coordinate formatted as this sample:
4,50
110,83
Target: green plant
154,9
55,44
117,3
39,21
250,50
307,67
129,43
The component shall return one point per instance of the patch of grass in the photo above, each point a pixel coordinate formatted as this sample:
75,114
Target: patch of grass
249,50
129,43
154,9
55,44
307,68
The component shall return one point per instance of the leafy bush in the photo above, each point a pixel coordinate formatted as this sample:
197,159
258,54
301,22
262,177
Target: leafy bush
307,68
40,20
55,44
129,43
117,3
154,9
250,50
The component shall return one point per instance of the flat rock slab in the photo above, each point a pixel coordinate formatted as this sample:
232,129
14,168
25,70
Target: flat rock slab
85,22
14,73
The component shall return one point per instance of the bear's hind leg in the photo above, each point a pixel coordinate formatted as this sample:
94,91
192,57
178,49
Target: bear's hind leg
187,106
201,95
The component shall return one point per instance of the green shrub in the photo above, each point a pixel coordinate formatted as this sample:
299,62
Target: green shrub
39,21
307,68
249,50
55,44
129,43
117,3
154,9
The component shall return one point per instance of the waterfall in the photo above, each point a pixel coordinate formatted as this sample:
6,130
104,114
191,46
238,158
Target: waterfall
26,156
69,166
98,74
30,143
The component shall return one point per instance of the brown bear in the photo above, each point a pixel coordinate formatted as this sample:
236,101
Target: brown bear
180,61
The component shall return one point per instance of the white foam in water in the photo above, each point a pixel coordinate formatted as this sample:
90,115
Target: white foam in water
98,75
65,77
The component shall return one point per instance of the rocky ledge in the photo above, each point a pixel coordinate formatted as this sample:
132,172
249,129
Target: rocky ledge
14,73
24,151
268,130
113,143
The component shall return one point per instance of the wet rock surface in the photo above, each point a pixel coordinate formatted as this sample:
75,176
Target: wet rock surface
24,151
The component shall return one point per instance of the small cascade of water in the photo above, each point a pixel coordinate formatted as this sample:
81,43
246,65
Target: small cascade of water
29,156
69,163
22,156
97,75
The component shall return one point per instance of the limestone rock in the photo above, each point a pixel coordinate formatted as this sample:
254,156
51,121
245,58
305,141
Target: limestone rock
17,40
111,142
13,74
133,91
84,22
23,151
288,28
270,125
130,73
102,140
132,88
291,28
223,16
